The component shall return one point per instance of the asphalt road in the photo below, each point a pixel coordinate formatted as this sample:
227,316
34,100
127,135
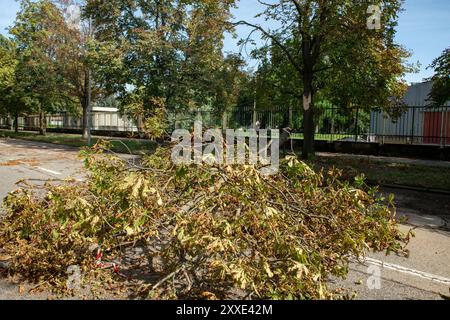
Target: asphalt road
424,275
20,159
37,162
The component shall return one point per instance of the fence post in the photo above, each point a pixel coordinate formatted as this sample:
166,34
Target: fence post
291,120
442,128
332,125
254,120
356,124
413,125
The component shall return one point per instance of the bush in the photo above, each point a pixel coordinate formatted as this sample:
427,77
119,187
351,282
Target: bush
209,232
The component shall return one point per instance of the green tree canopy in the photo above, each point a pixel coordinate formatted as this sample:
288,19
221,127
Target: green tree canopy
332,49
440,92
38,34
161,53
8,64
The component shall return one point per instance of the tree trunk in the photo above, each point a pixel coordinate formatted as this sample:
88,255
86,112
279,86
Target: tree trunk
16,122
308,99
140,124
42,123
10,123
225,120
86,102
308,120
85,120
309,132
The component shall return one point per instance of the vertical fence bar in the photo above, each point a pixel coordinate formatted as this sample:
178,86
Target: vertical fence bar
332,125
413,124
442,127
356,124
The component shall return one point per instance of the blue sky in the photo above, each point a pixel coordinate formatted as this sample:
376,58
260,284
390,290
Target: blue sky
424,28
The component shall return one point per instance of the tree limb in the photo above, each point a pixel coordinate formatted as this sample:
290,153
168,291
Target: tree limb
276,41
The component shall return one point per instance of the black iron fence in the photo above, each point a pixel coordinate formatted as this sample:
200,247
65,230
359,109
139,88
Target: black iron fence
416,125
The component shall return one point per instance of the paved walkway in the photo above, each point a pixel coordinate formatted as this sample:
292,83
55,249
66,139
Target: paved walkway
420,162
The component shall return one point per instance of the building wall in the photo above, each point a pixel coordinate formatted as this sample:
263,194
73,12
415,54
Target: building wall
419,124
103,121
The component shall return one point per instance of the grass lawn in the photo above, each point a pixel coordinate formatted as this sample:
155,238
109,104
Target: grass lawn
119,145
318,136
389,173
323,137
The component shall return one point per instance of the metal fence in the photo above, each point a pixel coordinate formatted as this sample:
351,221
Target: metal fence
4,123
331,123
416,125
100,121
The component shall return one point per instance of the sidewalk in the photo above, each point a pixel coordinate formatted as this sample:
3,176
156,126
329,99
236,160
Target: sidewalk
418,162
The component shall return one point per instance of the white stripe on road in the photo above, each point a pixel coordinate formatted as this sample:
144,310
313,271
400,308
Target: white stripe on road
409,271
49,171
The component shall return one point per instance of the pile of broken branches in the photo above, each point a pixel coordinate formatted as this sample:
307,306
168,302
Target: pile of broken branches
196,231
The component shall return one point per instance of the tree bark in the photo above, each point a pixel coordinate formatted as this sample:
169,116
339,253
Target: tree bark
140,125
224,120
85,120
309,130
308,117
16,122
308,99
86,101
10,123
42,123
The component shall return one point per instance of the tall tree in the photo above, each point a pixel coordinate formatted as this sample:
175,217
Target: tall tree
36,32
440,93
74,56
161,53
8,64
331,47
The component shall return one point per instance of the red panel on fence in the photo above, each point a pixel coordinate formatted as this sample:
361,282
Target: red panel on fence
446,129
436,128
